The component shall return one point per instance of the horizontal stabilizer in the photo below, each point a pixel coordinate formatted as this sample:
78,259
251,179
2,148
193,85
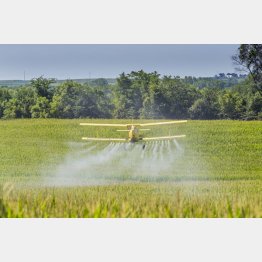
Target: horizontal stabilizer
104,139
127,130
162,138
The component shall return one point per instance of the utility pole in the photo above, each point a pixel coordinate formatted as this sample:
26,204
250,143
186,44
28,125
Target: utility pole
89,78
24,76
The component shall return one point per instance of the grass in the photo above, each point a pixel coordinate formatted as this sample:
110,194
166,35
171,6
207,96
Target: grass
218,175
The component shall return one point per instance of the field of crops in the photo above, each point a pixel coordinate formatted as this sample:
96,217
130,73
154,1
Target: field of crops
47,171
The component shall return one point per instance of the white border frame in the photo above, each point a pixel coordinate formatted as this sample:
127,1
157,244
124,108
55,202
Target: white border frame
122,22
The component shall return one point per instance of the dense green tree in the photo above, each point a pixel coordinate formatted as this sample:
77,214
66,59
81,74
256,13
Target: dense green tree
123,98
199,110
174,98
135,95
65,102
19,106
41,109
207,106
5,96
42,86
249,57
26,98
73,100
12,109
233,106
104,101
145,86
255,106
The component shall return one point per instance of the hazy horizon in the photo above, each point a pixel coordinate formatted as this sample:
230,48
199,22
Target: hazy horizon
108,61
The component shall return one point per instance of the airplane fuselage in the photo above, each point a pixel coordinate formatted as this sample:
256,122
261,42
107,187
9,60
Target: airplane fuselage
133,134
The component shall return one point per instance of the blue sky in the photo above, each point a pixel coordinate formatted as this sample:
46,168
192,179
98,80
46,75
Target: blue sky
84,61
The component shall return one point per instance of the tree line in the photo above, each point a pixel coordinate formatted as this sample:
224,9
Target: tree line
139,94
135,95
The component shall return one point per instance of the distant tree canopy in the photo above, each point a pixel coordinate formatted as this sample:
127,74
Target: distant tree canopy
222,80
99,82
134,95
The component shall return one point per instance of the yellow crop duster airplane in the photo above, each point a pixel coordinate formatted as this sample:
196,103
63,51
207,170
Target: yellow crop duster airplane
133,132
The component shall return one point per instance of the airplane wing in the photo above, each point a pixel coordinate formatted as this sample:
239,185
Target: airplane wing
104,139
164,123
162,138
129,125
97,124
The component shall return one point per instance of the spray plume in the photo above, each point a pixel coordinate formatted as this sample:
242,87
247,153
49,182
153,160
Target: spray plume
101,164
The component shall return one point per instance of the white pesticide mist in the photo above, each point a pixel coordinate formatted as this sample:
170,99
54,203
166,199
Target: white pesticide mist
109,163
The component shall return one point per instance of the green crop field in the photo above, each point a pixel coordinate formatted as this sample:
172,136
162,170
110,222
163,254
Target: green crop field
47,171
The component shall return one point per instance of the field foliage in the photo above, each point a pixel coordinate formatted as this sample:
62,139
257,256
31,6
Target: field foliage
218,172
